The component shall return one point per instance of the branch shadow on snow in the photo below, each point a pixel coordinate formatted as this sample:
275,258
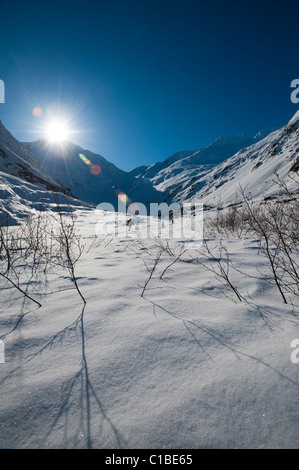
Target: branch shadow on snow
87,418
87,395
220,338
269,317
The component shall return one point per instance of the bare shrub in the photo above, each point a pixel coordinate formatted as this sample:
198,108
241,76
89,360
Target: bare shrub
68,243
152,270
14,251
275,222
221,265
42,242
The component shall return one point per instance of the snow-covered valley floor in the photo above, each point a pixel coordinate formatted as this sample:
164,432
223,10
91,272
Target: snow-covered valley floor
185,366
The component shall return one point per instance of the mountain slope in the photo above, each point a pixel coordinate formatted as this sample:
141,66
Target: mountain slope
152,170
17,160
178,173
253,169
18,198
29,172
89,176
24,185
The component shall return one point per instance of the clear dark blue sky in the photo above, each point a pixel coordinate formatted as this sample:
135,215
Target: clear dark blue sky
142,79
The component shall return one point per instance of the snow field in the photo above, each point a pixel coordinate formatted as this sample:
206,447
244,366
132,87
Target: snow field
185,366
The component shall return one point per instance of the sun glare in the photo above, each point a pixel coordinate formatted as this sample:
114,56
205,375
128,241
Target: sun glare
57,132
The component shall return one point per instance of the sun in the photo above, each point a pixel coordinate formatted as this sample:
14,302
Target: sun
57,132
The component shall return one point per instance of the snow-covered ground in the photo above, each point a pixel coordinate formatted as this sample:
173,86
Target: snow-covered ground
19,198
185,366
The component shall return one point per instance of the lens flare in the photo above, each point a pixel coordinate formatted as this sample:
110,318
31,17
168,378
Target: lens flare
37,112
85,160
123,197
94,169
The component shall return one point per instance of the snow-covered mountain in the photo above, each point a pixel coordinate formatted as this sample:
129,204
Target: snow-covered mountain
90,177
153,170
177,174
30,172
18,198
253,169
24,185
163,181
17,160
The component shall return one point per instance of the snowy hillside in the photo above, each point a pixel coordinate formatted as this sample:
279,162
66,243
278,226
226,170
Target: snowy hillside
176,176
25,186
19,198
153,170
17,160
253,169
30,172
90,177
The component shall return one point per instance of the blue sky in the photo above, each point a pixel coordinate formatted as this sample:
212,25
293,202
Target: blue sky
140,80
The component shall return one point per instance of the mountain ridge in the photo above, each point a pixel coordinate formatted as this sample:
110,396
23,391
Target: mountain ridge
32,168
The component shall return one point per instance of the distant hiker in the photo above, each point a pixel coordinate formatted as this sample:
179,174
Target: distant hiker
130,223
171,215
